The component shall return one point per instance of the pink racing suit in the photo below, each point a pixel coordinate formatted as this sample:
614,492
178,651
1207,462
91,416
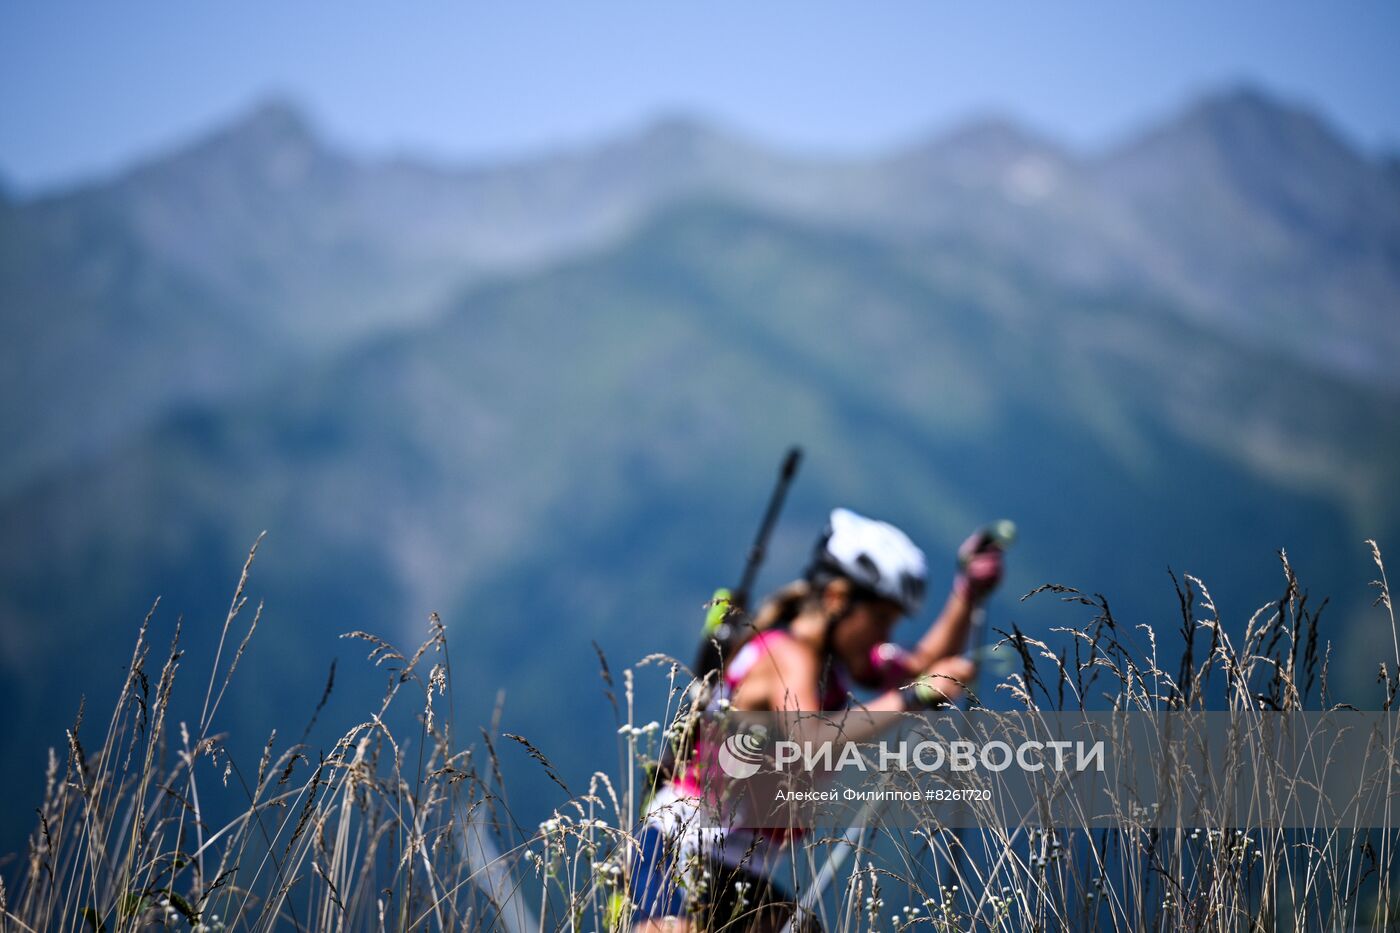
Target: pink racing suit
686,809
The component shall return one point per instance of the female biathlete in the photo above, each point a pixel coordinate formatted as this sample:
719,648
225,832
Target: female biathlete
812,640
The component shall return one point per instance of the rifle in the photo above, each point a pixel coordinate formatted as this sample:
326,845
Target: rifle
725,626
727,617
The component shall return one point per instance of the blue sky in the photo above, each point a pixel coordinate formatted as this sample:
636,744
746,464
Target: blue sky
88,88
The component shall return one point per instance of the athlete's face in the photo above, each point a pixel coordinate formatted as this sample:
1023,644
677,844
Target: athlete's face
869,623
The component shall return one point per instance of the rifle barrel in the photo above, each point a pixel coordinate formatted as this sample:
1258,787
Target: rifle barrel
765,529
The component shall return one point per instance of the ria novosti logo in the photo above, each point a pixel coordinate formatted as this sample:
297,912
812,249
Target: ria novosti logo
744,753
741,755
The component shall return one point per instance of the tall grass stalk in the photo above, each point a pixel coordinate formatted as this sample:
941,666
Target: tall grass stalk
375,832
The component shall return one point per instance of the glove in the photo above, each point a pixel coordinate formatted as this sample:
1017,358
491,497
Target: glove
922,695
940,685
980,563
892,665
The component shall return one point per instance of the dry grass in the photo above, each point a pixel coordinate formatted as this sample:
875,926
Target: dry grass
379,833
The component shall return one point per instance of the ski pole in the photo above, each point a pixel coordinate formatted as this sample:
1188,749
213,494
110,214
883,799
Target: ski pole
492,876
1001,535
849,840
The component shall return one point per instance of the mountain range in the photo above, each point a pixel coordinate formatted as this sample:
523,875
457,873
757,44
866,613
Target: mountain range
545,398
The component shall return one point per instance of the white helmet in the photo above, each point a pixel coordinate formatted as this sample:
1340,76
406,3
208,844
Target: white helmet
875,556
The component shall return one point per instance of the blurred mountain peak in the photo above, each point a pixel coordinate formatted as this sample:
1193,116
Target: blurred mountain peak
1273,219
995,134
1281,156
1247,122
681,134
987,138
986,145
1240,98
272,146
990,151
274,120
681,125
